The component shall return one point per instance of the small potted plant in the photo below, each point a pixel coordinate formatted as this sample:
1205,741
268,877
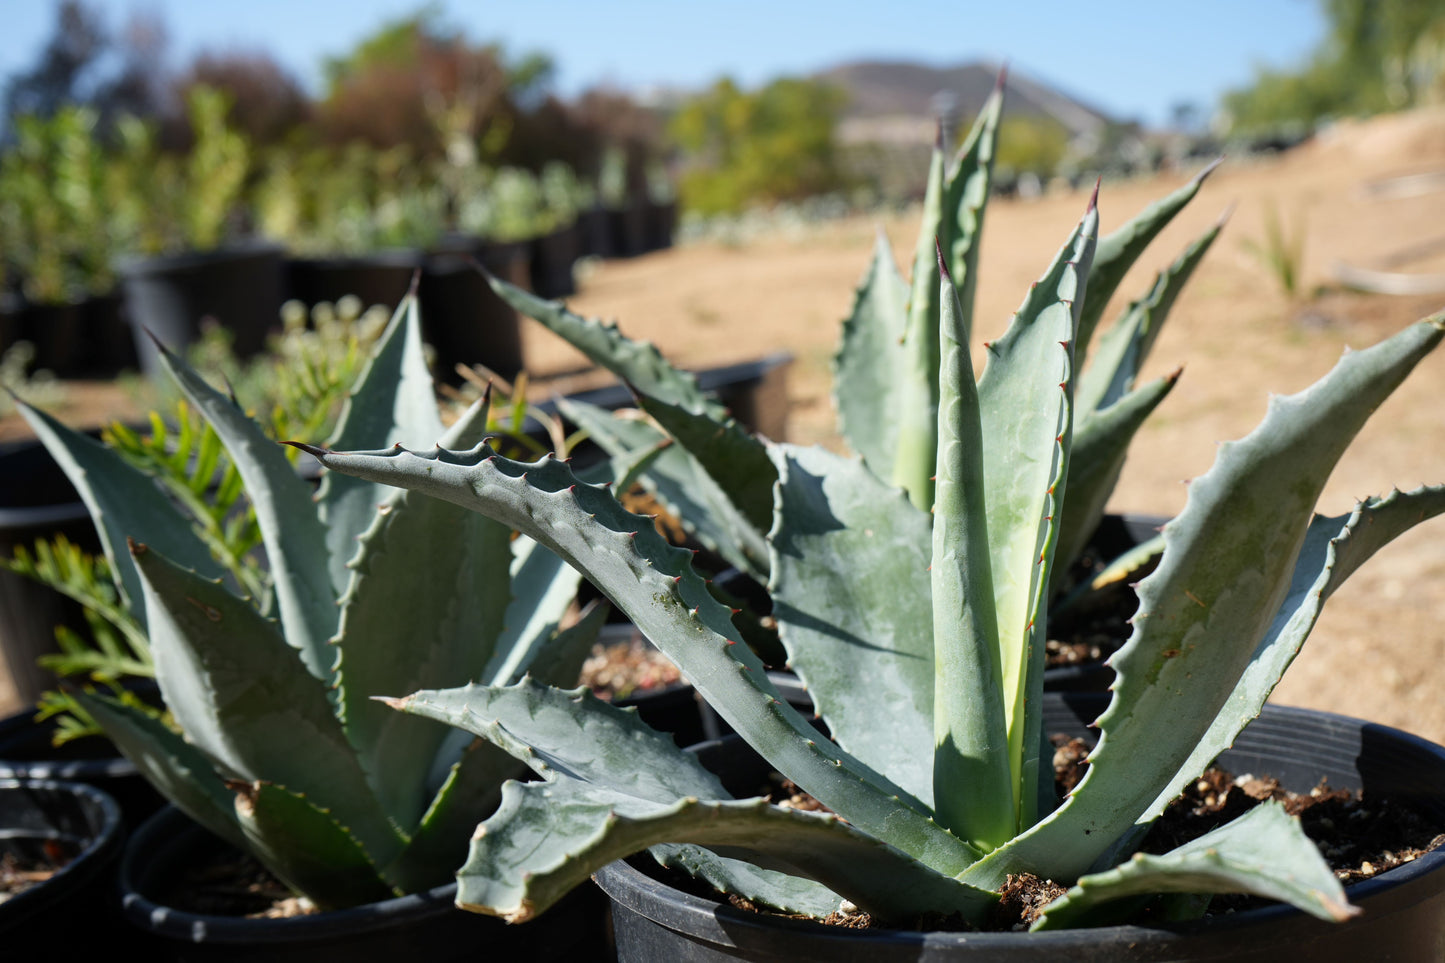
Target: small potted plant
278,750
56,227
355,220
177,215
59,846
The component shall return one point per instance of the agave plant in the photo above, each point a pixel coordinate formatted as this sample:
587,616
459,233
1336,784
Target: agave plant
887,373
269,674
920,636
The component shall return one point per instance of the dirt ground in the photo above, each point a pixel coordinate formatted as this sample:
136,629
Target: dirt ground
1379,649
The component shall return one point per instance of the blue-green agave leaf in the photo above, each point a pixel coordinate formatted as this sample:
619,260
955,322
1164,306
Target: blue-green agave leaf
867,388
763,887
242,697
965,197
393,403
294,536
1123,349
123,502
638,363
973,784
850,595
307,849
1228,568
735,459
548,837
180,771
1263,853
917,410
1101,444
1120,249
679,484
1334,549
653,583
469,793
449,620
1025,397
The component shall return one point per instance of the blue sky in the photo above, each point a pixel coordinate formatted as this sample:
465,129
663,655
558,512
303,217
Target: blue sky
1131,58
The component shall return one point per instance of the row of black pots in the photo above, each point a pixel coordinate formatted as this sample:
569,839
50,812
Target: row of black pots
1402,911
243,286
243,289
79,339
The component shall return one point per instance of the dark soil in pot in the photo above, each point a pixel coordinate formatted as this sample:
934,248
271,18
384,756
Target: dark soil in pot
1403,914
425,926
626,669
1082,636
65,840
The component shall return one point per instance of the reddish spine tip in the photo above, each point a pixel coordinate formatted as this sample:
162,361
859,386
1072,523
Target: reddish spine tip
942,268
1094,198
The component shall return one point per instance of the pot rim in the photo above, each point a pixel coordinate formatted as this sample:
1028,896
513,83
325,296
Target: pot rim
704,918
103,845
145,265
171,828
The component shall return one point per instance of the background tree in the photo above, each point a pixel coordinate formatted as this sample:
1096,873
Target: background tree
267,102
773,144
85,64
1378,55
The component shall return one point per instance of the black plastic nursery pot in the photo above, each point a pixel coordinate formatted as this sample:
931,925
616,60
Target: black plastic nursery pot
380,278
36,501
425,926
462,318
72,914
108,346
596,233
57,332
553,256
82,339
1403,910
627,227
238,287
661,220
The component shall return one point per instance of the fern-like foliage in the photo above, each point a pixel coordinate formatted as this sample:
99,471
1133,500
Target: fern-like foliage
115,647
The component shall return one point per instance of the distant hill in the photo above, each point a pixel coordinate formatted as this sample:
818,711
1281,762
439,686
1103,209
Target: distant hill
889,100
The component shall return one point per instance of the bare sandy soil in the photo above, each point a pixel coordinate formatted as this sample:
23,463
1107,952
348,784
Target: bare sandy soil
1379,650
